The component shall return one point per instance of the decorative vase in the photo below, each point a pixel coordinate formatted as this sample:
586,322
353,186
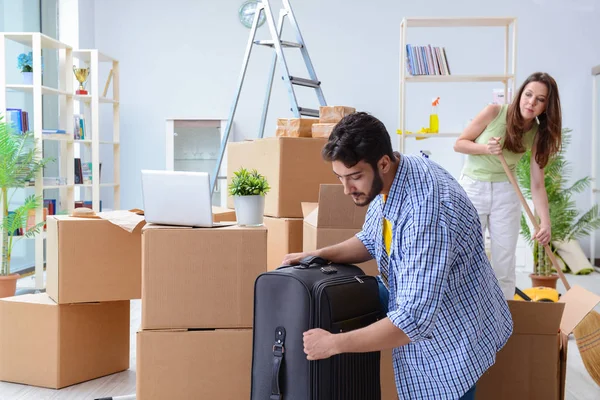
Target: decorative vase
543,280
8,285
249,210
27,78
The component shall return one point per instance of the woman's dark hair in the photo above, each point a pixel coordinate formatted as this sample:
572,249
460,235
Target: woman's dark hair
358,137
550,128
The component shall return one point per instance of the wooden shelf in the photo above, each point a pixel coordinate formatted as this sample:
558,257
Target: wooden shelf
457,22
86,55
87,98
46,90
27,40
431,135
58,137
459,78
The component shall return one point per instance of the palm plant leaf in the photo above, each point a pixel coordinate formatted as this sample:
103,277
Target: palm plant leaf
567,222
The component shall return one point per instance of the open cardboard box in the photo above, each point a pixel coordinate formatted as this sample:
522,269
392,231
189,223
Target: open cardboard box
533,363
334,219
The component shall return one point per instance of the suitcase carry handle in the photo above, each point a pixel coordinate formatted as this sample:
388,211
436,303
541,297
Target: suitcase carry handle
278,354
311,262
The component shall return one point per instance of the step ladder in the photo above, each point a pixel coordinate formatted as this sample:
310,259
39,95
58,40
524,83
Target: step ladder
290,81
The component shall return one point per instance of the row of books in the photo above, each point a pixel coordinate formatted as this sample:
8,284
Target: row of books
19,120
426,60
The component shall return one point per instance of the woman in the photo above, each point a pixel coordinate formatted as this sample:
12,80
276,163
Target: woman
533,122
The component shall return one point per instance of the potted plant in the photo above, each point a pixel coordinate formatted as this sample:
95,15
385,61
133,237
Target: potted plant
25,64
566,221
19,164
248,189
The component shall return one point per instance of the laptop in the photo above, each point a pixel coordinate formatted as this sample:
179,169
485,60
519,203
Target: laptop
180,198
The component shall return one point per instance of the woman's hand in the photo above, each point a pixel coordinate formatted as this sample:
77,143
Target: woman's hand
543,235
494,146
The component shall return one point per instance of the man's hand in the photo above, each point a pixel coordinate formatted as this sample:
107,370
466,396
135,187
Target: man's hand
294,258
319,344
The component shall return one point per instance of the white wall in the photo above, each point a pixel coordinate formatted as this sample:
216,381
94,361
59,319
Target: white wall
183,58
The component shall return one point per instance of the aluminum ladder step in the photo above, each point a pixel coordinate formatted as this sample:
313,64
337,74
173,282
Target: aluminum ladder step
304,82
309,112
271,43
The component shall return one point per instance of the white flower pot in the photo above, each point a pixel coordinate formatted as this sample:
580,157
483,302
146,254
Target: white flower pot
27,78
249,210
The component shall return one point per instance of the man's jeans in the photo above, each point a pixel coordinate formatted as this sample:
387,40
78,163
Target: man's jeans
384,295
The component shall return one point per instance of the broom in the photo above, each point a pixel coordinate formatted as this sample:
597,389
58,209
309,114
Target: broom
587,333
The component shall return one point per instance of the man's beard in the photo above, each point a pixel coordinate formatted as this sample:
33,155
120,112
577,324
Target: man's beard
361,200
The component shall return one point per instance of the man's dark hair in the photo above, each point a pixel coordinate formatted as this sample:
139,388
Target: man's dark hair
358,137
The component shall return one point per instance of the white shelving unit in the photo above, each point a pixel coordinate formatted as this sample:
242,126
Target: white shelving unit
507,77
93,59
65,90
595,150
38,42
193,144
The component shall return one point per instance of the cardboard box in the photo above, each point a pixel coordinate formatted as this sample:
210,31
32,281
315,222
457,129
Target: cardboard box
334,114
91,260
50,345
334,219
293,167
295,127
284,236
223,214
322,130
206,364
533,363
200,277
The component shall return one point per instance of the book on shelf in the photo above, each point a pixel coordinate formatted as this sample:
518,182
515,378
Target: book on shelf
79,128
18,118
426,60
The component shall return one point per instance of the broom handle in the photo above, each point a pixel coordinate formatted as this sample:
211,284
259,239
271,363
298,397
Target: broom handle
549,252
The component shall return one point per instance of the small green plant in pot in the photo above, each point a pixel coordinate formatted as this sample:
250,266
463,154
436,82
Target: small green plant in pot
19,164
248,189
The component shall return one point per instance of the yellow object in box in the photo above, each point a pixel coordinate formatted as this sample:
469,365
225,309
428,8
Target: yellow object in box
539,293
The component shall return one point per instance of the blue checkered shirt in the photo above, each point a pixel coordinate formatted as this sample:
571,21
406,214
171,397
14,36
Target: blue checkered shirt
443,292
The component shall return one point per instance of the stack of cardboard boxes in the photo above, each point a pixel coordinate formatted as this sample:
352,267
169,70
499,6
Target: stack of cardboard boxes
79,329
306,207
195,340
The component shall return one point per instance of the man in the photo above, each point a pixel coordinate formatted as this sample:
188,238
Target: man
446,315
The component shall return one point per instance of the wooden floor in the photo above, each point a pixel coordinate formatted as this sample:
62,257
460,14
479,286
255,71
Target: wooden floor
579,384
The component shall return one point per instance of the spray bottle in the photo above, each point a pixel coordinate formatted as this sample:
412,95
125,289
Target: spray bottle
434,122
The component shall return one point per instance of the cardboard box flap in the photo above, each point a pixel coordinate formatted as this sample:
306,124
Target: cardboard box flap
535,318
310,211
578,303
337,210
38,298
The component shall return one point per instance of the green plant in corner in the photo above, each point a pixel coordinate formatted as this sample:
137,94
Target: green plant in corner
19,165
566,221
248,183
